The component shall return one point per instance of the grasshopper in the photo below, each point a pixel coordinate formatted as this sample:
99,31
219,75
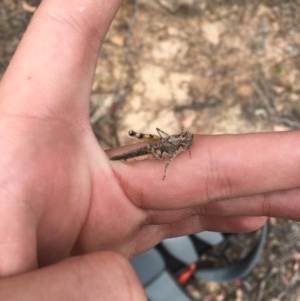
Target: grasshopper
161,147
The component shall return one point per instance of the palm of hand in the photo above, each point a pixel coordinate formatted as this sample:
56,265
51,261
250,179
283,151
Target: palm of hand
65,198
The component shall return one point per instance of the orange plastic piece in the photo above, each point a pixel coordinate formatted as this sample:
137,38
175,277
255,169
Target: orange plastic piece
185,276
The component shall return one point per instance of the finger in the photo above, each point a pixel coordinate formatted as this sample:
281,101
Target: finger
235,224
151,235
282,204
90,277
55,60
221,167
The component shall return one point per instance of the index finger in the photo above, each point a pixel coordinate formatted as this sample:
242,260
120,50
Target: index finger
55,60
222,167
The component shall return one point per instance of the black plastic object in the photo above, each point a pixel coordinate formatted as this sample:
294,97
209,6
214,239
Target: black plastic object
160,282
239,269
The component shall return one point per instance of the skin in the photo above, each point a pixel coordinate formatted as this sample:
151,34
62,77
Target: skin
61,195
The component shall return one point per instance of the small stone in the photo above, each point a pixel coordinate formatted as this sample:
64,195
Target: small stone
244,90
294,97
117,40
212,31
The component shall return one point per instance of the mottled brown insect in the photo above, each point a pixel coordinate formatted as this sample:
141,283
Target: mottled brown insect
161,147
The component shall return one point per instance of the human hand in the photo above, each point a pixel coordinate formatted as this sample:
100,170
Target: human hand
96,276
60,194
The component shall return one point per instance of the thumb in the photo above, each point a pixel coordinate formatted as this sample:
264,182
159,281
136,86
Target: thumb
97,276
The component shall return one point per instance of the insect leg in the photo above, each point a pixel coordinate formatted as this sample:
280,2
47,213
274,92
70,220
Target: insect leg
166,166
190,153
144,137
160,132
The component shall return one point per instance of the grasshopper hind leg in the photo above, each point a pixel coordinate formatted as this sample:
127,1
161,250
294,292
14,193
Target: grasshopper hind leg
148,138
